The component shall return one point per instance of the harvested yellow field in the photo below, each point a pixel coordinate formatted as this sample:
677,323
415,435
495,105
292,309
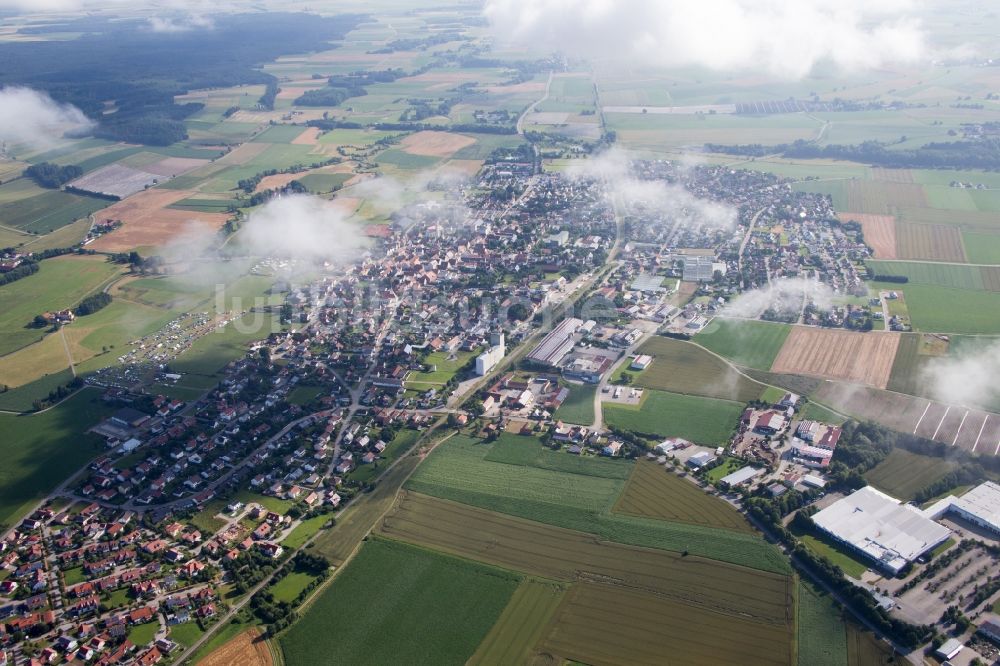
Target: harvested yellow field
862,358
435,144
247,649
879,232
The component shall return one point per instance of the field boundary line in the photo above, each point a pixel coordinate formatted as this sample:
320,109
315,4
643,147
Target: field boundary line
739,370
960,426
921,419
980,435
943,417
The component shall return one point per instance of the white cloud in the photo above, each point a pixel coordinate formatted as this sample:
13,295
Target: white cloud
781,295
32,118
674,203
968,379
302,227
186,23
787,38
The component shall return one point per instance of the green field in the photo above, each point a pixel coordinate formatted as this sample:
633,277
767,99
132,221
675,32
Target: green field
942,275
60,283
401,604
982,248
210,354
701,420
442,368
749,343
850,564
459,470
822,636
818,412
305,531
290,586
40,451
521,625
47,212
681,367
279,134
143,634
655,492
903,474
529,452
948,310
578,407
187,633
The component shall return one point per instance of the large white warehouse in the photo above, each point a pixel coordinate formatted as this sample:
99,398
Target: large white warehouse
882,528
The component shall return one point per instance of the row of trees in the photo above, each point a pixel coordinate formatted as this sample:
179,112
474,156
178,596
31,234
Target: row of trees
981,153
52,175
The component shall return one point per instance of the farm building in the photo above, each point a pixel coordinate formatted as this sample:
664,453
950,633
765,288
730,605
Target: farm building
641,362
991,629
700,459
741,476
810,456
586,368
949,649
115,181
881,528
769,423
559,342
980,506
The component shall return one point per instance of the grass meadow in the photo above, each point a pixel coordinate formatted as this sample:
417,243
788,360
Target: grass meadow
753,344
396,603
701,420
40,451
460,470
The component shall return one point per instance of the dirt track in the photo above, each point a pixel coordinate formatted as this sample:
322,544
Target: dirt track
864,358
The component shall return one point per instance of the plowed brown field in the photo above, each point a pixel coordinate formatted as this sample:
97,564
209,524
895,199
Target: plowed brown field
879,231
864,358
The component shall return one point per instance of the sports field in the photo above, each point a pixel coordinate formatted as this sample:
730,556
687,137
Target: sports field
745,342
700,420
40,451
400,604
655,492
681,367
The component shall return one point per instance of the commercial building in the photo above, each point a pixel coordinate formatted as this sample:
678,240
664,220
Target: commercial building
559,342
980,506
489,358
641,362
702,269
889,533
741,476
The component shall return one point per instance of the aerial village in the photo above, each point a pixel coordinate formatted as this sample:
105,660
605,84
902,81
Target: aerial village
485,308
